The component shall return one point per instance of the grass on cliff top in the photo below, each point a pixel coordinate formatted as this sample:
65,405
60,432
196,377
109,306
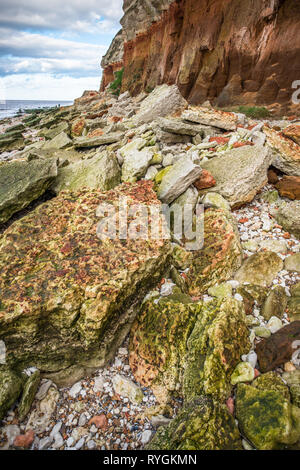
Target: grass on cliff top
254,112
115,86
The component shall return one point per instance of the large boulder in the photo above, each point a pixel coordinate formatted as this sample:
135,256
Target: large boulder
240,173
162,101
221,255
286,153
287,214
260,269
202,424
177,126
178,347
59,142
100,172
137,157
211,117
293,132
289,186
267,418
68,294
176,181
22,182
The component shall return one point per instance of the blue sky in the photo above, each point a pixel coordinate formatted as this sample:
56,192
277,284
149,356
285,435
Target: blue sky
52,49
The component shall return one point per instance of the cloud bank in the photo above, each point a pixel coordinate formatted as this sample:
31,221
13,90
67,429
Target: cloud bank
48,45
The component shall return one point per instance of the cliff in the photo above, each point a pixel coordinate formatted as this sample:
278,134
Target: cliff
227,51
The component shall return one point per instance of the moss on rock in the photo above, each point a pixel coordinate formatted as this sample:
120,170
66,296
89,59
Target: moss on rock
267,419
202,424
10,389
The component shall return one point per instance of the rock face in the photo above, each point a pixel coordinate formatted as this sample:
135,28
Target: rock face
202,424
83,290
229,52
240,173
22,182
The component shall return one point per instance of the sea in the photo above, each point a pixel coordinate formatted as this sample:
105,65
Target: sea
9,108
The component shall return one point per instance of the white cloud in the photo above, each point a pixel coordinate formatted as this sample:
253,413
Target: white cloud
46,86
58,14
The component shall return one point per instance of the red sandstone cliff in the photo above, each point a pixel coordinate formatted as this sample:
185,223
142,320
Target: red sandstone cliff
227,51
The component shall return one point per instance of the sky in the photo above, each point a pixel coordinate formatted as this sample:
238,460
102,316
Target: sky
52,49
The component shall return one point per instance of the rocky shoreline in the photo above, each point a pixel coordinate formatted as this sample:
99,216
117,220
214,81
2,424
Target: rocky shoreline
140,343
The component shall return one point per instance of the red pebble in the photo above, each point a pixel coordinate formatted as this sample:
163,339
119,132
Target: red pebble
99,421
24,440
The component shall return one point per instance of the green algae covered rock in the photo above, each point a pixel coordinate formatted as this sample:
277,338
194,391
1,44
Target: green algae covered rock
60,141
267,419
221,255
10,388
68,298
22,182
202,424
183,348
158,343
29,391
260,269
214,348
100,172
272,381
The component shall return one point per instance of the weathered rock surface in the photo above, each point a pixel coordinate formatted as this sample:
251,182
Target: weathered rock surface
164,100
89,142
30,388
177,126
287,214
293,381
279,348
289,186
178,179
183,348
211,117
239,173
292,263
260,269
266,418
137,157
202,424
60,141
275,303
293,132
221,255
286,153
10,389
22,182
67,297
99,172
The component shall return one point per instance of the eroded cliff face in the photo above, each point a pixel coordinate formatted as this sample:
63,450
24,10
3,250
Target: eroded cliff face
227,51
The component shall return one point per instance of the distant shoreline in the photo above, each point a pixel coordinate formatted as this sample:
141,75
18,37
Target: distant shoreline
10,108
